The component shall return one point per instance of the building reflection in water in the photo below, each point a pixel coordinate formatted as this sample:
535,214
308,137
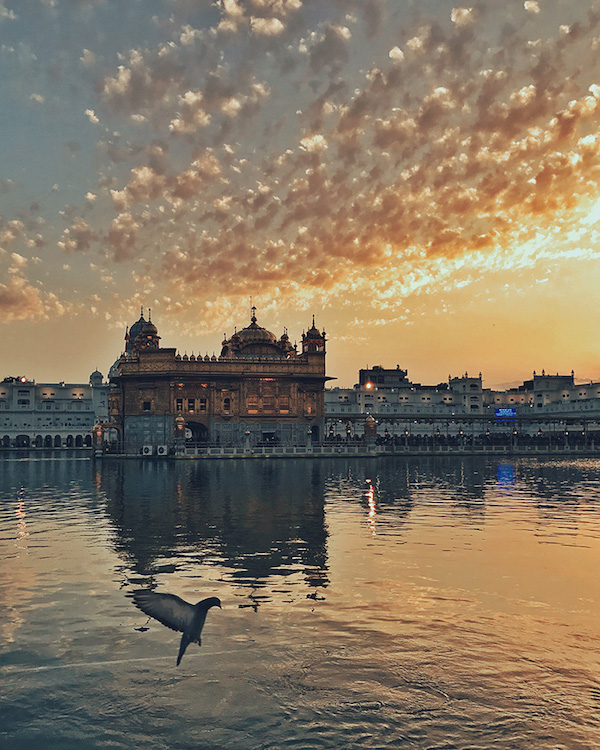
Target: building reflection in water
264,521
253,519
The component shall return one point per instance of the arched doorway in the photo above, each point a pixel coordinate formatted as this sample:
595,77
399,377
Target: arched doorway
57,441
48,441
315,433
199,432
79,441
39,441
22,441
6,441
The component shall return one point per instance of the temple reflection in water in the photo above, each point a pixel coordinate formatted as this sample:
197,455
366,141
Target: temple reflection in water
255,519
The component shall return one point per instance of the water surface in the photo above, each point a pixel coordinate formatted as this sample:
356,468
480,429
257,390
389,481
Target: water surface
367,603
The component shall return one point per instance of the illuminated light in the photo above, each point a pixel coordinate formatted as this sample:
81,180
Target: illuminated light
372,504
368,386
23,379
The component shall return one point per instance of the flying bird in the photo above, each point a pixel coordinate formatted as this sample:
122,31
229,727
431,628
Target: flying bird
177,614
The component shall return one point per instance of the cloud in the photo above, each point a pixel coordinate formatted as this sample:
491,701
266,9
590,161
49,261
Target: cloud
122,236
330,49
77,238
6,14
267,26
20,300
462,16
291,148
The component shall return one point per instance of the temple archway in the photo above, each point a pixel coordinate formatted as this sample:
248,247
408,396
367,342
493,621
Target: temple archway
199,432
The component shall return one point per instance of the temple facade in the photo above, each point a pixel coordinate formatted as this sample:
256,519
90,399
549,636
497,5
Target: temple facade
260,389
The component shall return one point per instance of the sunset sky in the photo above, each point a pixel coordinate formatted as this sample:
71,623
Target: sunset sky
422,176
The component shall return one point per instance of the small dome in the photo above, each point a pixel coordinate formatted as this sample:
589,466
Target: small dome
149,328
96,378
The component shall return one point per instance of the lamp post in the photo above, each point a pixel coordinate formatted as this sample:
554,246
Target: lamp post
179,434
98,440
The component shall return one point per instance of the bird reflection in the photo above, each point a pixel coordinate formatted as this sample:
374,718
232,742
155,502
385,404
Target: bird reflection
177,614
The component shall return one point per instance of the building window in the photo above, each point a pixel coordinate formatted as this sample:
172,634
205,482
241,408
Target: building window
179,404
147,406
191,404
202,404
226,404
23,402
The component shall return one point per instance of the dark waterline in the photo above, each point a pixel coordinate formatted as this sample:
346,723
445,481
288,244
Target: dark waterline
409,602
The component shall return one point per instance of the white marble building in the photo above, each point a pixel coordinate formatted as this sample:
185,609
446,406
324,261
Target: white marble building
460,403
51,415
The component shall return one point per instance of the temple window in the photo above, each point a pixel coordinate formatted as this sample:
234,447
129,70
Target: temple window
191,404
179,404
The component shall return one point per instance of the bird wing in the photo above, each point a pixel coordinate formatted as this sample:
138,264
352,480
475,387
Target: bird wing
169,609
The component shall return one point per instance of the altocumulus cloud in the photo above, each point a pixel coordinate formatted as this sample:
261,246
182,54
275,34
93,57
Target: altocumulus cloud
310,149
